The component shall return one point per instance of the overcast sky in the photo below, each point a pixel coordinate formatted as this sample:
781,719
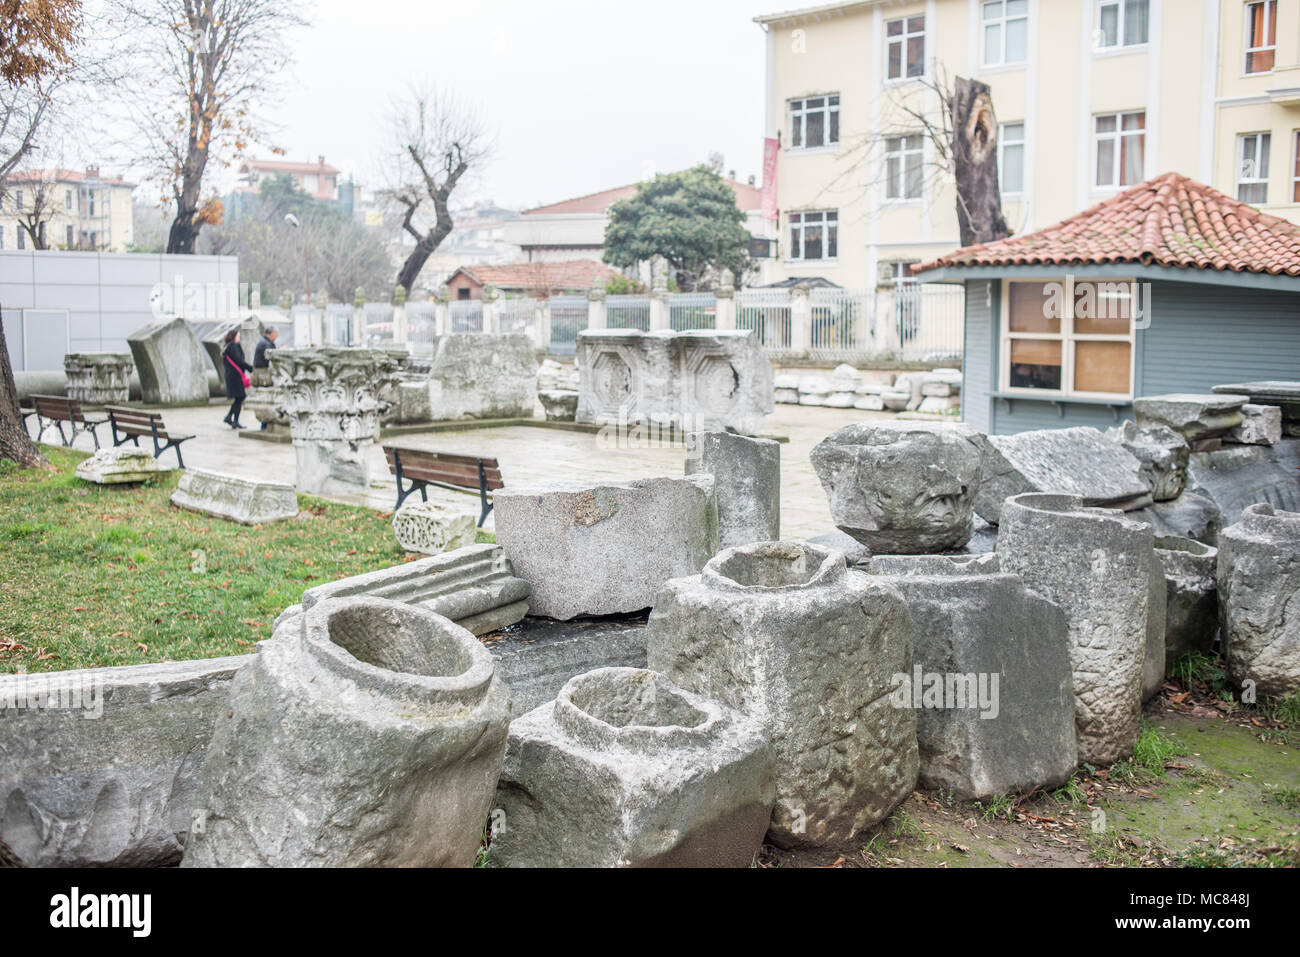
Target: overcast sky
580,96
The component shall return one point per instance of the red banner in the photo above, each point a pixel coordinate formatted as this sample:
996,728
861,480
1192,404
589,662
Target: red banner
769,178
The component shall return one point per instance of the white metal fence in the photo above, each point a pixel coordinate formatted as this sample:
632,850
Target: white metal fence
516,315
923,321
627,312
692,310
768,312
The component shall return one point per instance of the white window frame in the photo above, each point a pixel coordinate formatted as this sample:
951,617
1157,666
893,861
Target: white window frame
1269,5
1068,339
1002,144
902,39
825,223
67,199
1121,23
800,115
1263,140
902,154
1001,22
1117,155
1295,167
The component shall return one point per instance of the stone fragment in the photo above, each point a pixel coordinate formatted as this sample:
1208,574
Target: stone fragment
1258,575
991,680
553,375
1193,416
1188,516
1284,395
1191,597
902,487
747,483
1260,425
482,377
936,405
98,378
623,769
172,366
243,500
1237,476
606,549
786,633
1098,566
118,466
107,776
432,528
1163,455
870,403
373,738
896,401
559,405
941,383
1078,461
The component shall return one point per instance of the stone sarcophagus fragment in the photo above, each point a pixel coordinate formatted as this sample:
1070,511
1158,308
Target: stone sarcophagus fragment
98,378
1191,596
172,365
373,737
697,380
243,500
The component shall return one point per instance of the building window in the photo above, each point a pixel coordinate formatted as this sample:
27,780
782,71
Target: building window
1011,157
1120,148
2,237
91,198
903,165
814,122
68,240
22,237
905,46
18,199
814,235
1006,31
1068,338
1261,36
1252,167
67,199
1122,23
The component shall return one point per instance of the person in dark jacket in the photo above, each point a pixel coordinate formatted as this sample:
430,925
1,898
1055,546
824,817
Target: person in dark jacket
232,358
260,358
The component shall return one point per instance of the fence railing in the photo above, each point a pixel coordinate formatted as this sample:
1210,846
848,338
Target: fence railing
517,315
568,318
692,310
627,312
769,313
922,321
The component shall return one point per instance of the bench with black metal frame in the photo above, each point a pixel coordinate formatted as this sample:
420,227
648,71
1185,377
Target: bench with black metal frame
134,423
54,410
420,468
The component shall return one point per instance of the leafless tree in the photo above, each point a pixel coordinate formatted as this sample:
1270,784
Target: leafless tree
439,139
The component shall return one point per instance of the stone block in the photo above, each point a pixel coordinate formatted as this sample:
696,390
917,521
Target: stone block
98,378
559,405
1188,516
902,487
896,401
372,738
747,483
1163,454
1260,425
1284,395
123,465
171,364
482,377
786,396
786,633
1193,416
1191,596
870,403
243,500
432,528
624,769
939,405
1237,476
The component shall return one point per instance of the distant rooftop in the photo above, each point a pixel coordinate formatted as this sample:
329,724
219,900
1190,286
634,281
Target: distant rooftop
747,198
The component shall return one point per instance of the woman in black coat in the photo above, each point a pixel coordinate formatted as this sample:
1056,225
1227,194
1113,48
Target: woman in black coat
232,359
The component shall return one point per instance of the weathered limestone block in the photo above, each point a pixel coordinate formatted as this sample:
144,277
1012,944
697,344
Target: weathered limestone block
870,403
1153,661
1258,577
941,383
936,405
100,765
606,549
696,380
1188,516
1260,425
332,398
474,586
1237,476
747,482
624,769
991,681
482,377
552,375
1194,417
1097,565
786,633
122,465
1163,455
372,738
1078,461
1191,597
1284,395
786,388
98,378
242,500
559,405
172,365
432,528
896,401
902,487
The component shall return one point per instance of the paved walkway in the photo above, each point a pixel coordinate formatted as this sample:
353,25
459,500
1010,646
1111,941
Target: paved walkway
528,456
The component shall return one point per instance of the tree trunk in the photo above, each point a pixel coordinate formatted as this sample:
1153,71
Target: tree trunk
420,255
183,235
975,163
15,444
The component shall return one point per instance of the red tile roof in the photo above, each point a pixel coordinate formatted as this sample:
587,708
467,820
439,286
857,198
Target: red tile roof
63,176
1167,221
747,198
570,274
289,166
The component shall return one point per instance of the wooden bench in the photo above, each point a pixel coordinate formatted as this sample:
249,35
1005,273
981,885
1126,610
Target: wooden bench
420,468
133,423
54,410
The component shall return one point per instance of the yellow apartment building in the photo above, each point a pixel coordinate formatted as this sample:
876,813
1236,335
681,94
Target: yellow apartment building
74,210
1091,96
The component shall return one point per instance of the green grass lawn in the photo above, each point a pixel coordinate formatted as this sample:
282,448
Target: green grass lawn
96,575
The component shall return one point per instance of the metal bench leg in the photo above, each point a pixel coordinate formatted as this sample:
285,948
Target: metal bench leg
63,438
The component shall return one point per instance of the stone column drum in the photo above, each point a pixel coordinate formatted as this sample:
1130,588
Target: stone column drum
332,400
1259,599
747,481
625,770
373,737
98,378
1098,567
787,634
1191,597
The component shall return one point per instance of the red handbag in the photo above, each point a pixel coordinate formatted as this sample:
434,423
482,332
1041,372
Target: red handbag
243,376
